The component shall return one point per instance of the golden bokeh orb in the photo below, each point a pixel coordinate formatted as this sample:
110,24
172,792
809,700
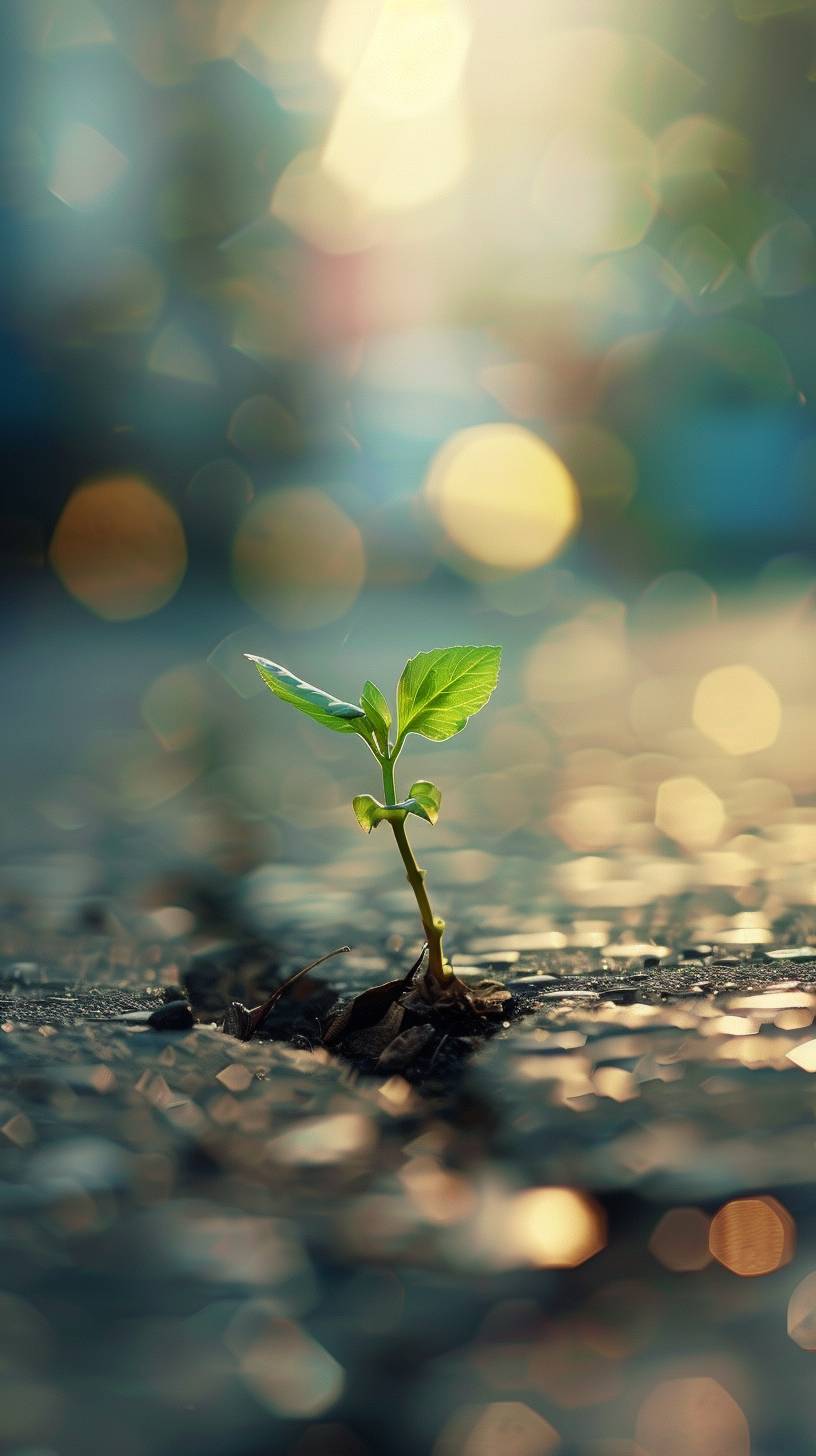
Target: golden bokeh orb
503,497
738,709
688,811
555,1228
298,559
752,1236
119,547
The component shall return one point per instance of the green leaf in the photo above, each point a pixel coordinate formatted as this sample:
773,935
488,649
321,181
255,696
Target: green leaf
377,712
427,797
440,690
331,712
370,812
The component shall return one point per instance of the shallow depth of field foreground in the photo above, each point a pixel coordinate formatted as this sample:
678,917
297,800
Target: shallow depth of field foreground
408,742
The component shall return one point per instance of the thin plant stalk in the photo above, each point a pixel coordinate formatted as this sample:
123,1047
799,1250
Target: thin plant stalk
433,926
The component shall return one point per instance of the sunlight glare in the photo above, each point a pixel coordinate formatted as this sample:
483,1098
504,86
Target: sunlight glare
399,137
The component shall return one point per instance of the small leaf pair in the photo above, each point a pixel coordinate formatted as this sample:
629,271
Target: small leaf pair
437,693
423,800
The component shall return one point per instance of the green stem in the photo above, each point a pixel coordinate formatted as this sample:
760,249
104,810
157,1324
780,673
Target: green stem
434,927
389,786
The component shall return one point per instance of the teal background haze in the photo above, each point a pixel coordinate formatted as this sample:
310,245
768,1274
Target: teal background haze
267,261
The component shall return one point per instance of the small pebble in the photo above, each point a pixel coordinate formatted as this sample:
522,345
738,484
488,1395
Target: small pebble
172,1016
570,995
26,973
793,953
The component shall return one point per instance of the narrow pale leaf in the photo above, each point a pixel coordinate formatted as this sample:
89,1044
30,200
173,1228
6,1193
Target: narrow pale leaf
377,712
440,690
322,707
428,796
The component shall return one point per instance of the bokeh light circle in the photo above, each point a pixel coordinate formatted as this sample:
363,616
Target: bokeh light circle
604,468
261,427
507,1426
595,189
693,1416
298,558
752,1236
677,602
217,493
503,497
738,709
688,811
555,1228
119,548
802,1313
680,1240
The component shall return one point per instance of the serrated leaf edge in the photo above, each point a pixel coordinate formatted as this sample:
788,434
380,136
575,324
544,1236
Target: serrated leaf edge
404,730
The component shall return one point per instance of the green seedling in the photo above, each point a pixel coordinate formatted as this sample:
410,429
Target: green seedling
437,693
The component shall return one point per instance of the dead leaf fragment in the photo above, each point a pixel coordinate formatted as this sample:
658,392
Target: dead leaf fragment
405,1048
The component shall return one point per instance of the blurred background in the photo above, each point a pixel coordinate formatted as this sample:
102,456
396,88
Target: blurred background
330,331
338,329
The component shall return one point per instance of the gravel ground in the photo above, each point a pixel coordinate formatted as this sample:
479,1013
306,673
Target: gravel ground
592,1232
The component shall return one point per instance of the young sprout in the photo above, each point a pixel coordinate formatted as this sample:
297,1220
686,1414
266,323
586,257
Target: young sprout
437,693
